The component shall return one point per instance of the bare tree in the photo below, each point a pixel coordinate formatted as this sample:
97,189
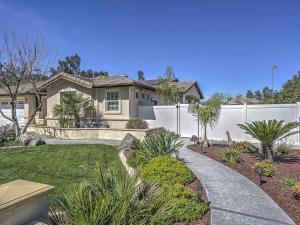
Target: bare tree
22,63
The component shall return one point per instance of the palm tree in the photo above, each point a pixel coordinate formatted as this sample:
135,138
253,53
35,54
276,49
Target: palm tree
267,132
207,114
113,199
169,93
71,109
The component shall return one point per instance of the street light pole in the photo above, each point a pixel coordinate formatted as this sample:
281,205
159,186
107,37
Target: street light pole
274,67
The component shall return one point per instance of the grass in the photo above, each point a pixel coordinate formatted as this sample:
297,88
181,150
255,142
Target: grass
58,165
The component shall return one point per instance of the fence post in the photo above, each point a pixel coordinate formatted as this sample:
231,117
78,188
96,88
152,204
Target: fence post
245,118
298,119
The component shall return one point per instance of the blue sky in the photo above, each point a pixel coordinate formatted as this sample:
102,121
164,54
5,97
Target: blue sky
228,46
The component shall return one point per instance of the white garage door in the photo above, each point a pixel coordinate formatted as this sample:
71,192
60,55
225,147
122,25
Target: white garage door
6,108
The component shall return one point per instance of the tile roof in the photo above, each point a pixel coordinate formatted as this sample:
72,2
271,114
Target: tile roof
26,88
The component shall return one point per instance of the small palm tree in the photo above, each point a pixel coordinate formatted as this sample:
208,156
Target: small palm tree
113,199
169,93
71,109
267,132
207,114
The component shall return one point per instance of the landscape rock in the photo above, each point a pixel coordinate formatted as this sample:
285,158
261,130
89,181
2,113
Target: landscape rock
27,137
127,142
36,142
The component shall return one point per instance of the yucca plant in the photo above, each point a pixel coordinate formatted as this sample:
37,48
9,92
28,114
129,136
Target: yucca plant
112,200
158,143
267,132
71,109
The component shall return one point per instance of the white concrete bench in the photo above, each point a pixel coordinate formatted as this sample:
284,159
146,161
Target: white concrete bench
24,202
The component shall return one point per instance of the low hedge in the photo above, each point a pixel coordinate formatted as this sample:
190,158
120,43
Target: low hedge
166,170
171,175
184,202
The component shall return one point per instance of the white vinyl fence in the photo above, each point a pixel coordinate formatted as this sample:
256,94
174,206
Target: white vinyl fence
181,121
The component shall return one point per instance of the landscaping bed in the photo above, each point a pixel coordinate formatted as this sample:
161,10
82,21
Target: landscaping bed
155,159
58,165
285,167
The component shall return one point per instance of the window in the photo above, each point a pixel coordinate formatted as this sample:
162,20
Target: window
136,94
143,95
112,101
148,96
4,103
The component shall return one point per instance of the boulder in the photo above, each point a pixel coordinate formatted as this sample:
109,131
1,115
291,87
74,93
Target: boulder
28,137
36,142
127,142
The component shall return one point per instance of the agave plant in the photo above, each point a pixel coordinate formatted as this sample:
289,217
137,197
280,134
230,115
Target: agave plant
71,109
112,199
267,132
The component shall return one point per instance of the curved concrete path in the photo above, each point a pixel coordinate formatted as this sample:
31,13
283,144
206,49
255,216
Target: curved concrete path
235,200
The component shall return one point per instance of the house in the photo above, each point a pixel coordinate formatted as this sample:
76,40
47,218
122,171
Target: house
242,100
114,99
26,103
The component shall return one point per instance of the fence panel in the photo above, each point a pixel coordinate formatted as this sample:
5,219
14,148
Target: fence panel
231,115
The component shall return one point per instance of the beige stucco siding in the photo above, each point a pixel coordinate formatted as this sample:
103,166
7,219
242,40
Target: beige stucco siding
55,91
124,103
98,96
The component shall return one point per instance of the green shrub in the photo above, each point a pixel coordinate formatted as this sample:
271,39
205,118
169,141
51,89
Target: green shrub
178,191
158,143
136,159
283,148
266,166
245,147
167,170
289,182
136,123
230,155
184,202
187,210
296,191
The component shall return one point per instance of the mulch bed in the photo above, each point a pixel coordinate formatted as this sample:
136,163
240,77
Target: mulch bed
288,166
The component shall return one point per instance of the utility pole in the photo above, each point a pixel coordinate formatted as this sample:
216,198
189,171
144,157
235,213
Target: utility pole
274,68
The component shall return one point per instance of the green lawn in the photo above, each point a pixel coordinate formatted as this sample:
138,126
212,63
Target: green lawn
57,165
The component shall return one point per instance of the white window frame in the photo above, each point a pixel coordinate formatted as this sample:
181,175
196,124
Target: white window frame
119,111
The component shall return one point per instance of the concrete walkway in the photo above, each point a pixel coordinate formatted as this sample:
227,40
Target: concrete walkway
55,141
235,200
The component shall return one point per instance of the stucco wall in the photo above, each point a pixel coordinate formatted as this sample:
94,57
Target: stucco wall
98,96
124,102
55,91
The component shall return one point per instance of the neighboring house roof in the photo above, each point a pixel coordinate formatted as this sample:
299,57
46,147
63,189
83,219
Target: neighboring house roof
241,100
183,85
24,89
101,81
187,85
